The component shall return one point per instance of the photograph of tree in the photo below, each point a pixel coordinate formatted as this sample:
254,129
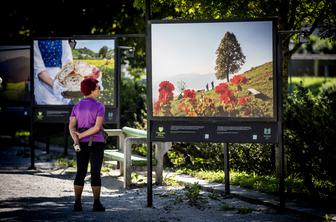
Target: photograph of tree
217,69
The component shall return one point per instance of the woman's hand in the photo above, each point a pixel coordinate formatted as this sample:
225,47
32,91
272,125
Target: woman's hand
79,135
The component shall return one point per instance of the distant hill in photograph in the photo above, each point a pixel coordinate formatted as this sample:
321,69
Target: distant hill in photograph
257,78
260,78
258,88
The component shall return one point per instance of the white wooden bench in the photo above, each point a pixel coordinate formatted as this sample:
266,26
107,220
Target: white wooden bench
253,91
258,94
127,137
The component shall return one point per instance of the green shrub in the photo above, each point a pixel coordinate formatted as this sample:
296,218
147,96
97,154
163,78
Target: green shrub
193,194
309,137
210,156
196,155
133,99
328,88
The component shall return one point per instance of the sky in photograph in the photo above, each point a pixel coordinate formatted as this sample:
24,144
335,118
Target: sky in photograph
95,44
182,50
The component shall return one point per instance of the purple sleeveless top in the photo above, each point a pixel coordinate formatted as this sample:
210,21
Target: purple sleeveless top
86,112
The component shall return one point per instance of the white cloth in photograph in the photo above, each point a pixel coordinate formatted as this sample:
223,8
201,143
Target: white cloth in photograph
44,94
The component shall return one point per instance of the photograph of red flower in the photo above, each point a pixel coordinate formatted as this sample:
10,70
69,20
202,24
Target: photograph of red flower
219,69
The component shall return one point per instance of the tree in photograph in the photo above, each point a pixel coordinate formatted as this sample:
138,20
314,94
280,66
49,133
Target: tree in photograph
103,52
230,57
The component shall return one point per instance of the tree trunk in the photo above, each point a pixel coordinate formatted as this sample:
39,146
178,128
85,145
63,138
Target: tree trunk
308,182
285,64
285,56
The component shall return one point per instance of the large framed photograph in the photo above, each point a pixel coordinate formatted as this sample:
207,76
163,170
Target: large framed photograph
213,81
59,66
212,69
15,90
15,74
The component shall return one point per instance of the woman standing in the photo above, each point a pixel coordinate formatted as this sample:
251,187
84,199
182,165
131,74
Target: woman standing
86,129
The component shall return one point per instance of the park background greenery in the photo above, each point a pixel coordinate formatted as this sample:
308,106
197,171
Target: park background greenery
309,116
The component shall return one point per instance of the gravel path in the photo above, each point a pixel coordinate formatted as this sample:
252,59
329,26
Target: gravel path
47,195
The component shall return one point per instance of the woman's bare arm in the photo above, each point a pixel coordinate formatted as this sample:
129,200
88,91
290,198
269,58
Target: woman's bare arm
44,76
72,129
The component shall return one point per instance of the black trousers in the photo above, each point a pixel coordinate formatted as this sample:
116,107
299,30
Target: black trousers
94,154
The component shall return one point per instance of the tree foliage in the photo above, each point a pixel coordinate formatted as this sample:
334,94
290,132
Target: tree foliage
292,15
318,45
230,57
133,104
21,20
103,52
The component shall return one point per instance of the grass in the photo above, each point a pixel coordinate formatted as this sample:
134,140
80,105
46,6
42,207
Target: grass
170,181
99,62
178,200
105,169
308,81
138,179
267,184
15,92
62,162
226,207
260,78
245,210
312,82
214,195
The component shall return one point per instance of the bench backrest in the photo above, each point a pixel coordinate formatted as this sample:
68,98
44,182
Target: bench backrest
134,132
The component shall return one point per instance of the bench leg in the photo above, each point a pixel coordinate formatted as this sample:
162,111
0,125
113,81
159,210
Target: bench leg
161,149
121,139
159,163
127,164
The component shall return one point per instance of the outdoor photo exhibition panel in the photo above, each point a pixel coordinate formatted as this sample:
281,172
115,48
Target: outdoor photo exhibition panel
59,66
15,81
213,81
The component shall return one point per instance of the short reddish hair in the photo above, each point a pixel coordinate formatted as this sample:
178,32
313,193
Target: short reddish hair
88,85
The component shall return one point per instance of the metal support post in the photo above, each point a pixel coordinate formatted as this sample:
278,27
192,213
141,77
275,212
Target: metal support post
226,169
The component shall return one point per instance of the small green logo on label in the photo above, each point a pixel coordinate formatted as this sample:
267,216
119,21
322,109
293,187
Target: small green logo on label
160,132
110,115
39,115
267,131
